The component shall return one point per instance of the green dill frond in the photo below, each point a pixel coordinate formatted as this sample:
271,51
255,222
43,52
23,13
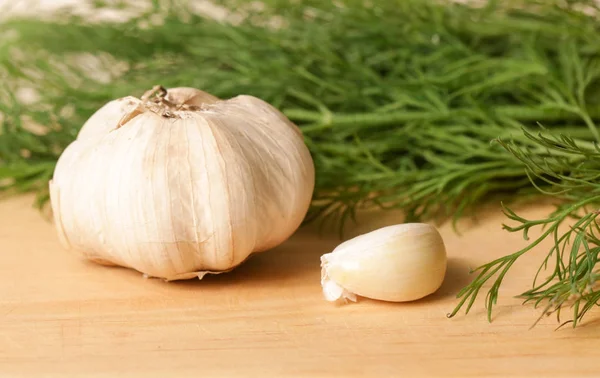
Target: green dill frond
571,172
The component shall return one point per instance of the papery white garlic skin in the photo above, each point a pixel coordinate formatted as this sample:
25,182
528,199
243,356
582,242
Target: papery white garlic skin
396,263
178,190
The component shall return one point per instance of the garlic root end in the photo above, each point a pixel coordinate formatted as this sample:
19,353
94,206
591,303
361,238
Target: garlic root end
199,274
332,291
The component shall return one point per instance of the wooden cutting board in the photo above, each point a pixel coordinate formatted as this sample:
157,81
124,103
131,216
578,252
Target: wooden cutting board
61,316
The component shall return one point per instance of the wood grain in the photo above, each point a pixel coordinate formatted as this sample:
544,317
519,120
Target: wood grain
60,315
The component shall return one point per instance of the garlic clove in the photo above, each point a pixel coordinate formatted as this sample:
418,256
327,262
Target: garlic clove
108,117
190,96
397,263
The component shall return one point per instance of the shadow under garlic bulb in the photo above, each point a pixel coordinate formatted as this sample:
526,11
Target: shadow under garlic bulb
179,183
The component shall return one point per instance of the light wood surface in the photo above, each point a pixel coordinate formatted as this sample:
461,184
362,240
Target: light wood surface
61,316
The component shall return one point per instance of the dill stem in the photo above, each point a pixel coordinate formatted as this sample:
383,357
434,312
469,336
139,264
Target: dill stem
519,113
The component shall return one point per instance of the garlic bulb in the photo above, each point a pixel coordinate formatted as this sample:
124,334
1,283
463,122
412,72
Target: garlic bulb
180,183
396,263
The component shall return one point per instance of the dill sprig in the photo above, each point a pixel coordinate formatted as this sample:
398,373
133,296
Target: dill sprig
572,171
398,101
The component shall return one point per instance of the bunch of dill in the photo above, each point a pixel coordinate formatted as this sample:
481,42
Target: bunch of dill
398,101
